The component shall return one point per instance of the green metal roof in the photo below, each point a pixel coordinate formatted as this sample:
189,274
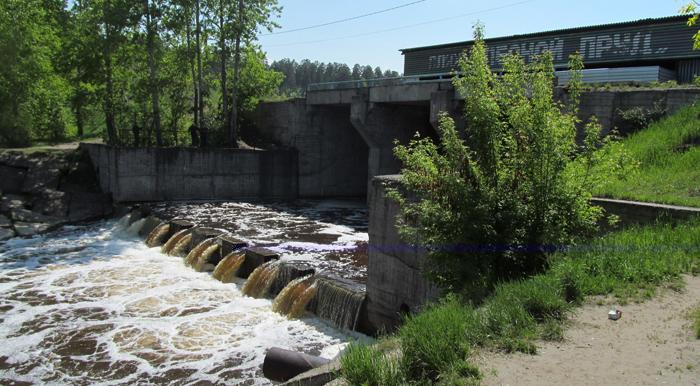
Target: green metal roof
640,22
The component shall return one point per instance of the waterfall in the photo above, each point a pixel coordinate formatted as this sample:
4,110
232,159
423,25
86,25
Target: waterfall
289,271
123,222
338,303
227,268
261,279
157,235
172,242
197,251
180,248
201,262
135,227
292,300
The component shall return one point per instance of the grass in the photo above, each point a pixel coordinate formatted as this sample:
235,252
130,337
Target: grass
666,150
436,344
695,317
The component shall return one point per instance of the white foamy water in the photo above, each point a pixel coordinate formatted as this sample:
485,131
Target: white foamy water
329,235
83,306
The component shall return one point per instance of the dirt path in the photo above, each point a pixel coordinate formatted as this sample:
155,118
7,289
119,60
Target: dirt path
652,344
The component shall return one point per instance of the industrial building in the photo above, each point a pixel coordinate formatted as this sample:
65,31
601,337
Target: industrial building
640,51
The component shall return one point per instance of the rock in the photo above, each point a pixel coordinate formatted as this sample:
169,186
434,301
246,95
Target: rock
41,177
12,201
4,221
52,203
26,215
30,229
88,206
12,178
6,233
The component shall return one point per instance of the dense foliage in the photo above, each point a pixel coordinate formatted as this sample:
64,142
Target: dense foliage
490,202
101,67
297,76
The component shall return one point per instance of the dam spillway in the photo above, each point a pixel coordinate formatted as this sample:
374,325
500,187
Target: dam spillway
95,303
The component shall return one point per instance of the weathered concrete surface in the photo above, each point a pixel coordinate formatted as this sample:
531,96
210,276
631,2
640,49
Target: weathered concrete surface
332,155
395,281
168,174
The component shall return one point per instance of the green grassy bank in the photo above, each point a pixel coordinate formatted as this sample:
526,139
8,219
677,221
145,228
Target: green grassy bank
669,156
435,345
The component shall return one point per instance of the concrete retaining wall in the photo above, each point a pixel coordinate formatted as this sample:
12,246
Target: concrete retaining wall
332,155
168,174
395,281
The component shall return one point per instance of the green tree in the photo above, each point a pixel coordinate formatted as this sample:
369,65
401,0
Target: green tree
490,202
33,93
692,9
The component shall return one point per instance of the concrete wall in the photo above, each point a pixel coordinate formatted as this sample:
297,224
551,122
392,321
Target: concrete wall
142,174
395,282
606,105
332,155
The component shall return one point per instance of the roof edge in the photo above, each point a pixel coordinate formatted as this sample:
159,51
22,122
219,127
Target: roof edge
640,22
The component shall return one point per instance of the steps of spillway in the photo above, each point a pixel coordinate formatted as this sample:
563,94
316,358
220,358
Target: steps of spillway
295,287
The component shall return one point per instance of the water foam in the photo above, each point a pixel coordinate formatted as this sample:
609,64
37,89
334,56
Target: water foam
82,306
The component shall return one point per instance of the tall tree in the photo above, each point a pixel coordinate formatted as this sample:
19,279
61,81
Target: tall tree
152,12
252,15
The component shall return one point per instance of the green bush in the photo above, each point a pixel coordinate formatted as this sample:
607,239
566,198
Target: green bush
490,202
638,118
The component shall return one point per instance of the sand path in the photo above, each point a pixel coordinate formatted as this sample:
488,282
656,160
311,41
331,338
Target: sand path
652,344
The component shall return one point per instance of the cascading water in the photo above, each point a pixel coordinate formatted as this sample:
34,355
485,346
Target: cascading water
201,262
227,268
155,238
180,248
294,298
198,250
172,242
135,227
338,304
83,306
261,279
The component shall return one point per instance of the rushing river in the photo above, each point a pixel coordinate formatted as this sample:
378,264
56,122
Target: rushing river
90,304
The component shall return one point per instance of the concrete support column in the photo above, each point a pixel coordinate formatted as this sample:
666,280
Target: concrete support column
381,124
445,101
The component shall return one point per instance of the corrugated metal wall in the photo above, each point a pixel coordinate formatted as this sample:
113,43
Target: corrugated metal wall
644,74
650,43
687,70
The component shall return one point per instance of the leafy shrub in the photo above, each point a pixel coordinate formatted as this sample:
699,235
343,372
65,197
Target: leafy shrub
491,202
638,118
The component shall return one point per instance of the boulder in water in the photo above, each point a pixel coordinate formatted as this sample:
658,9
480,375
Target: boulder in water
6,233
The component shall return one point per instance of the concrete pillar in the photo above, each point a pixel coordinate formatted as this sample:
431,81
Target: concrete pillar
382,124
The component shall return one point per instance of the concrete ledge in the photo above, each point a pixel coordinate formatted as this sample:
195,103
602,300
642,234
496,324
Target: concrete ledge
636,212
167,174
255,257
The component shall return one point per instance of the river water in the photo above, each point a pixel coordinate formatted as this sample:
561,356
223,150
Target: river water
93,305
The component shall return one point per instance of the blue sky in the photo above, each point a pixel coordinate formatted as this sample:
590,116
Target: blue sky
500,17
